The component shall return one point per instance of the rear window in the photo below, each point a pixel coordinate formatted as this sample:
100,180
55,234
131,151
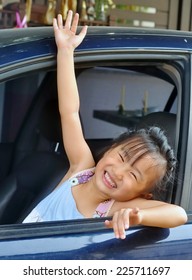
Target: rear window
114,100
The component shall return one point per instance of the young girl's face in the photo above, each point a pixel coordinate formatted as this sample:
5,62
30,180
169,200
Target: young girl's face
122,179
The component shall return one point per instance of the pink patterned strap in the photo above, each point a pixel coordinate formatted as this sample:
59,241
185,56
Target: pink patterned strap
103,208
84,176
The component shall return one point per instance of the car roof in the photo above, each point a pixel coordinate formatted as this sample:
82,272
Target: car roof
19,45
16,36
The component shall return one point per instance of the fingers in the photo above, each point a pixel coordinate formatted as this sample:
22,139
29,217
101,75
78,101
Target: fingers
84,30
58,22
69,24
69,20
121,221
55,26
75,23
65,36
135,211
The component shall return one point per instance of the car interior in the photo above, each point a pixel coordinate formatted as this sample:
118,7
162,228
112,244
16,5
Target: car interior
34,162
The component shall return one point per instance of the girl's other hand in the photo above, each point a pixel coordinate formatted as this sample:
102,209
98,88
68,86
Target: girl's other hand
123,219
65,36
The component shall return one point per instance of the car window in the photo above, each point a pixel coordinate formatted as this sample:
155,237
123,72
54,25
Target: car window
16,96
113,100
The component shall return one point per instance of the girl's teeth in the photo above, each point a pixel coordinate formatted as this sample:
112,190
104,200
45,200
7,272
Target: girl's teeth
107,177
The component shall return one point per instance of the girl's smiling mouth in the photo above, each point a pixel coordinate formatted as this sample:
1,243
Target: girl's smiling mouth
109,181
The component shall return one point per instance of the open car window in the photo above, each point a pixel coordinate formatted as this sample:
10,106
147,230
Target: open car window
116,99
115,96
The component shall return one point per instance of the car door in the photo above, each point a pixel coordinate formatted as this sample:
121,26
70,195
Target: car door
118,88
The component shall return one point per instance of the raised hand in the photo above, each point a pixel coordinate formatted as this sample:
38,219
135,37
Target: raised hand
65,36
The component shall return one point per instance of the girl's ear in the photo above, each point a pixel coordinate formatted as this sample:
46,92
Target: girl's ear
147,195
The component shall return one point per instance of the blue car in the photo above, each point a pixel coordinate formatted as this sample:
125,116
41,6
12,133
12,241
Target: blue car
127,78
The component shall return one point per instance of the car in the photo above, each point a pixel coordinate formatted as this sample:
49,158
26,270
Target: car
127,78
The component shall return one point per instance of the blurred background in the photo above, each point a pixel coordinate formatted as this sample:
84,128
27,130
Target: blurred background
166,14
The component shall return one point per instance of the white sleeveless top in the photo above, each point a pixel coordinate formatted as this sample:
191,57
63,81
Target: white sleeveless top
60,204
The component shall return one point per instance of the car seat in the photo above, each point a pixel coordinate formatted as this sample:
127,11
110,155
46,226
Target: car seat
36,172
164,120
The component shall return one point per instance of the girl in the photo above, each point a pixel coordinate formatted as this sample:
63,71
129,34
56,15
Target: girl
120,184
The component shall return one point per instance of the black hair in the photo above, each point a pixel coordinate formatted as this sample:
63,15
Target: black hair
147,141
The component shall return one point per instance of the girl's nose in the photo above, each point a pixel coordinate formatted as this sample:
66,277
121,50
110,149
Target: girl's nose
118,171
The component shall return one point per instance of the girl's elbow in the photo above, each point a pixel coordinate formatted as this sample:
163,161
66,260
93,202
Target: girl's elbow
182,216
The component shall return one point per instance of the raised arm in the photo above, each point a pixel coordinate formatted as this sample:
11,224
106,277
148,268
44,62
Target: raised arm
78,152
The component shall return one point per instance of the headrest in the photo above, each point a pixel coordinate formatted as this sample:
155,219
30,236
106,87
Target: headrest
164,120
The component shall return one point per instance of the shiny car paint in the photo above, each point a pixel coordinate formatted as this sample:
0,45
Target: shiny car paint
90,240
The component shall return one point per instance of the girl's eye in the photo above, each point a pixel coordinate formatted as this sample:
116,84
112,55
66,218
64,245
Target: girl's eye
134,176
121,157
